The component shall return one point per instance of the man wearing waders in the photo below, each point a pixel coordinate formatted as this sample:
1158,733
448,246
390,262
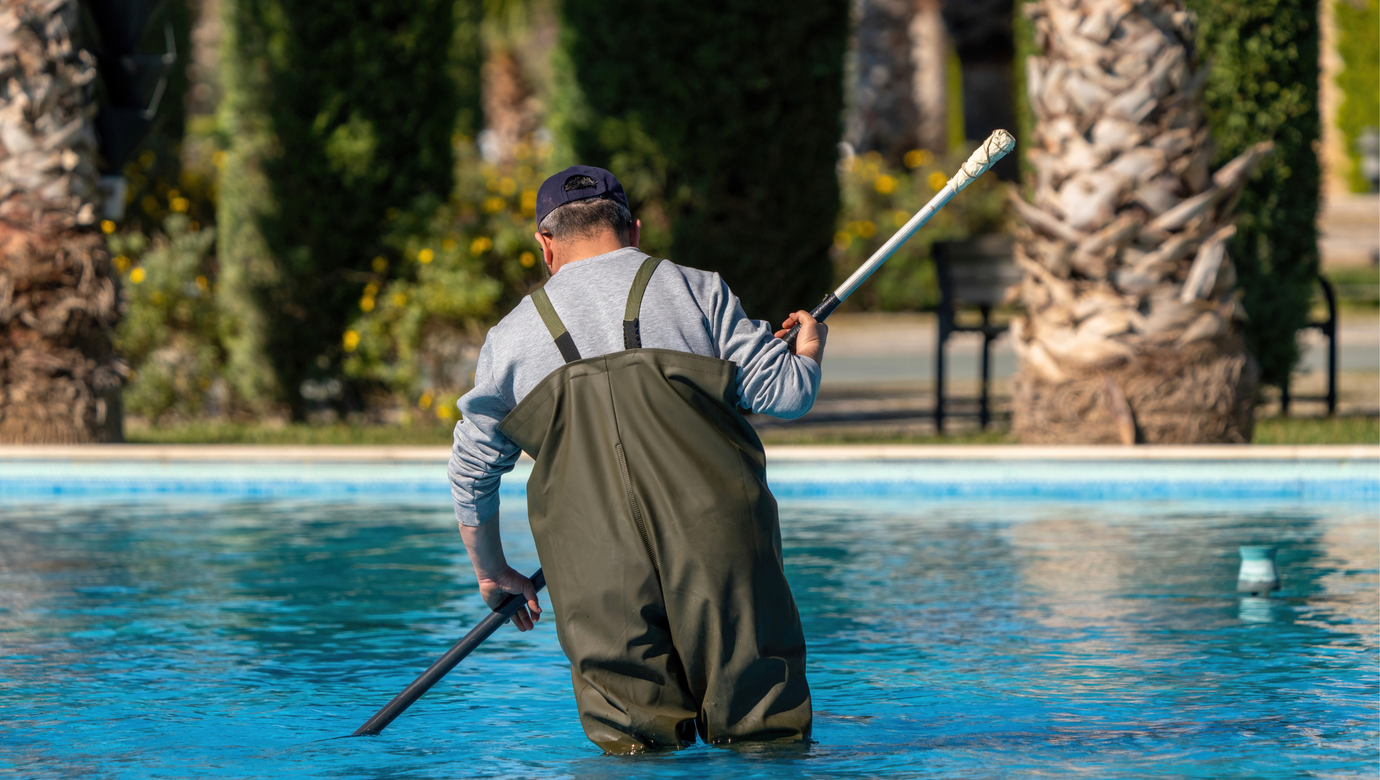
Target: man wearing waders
623,378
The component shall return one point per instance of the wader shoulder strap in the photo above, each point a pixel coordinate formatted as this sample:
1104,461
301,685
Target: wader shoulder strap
553,324
632,336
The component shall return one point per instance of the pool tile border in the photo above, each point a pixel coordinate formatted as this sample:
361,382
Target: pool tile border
996,473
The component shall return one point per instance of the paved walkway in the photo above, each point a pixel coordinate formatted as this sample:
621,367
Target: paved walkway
879,371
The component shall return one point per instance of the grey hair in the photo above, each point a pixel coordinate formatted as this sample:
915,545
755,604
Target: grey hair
588,218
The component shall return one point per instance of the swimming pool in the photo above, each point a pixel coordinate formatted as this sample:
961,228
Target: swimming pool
227,620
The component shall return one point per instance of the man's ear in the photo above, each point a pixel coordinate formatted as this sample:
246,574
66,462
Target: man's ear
548,254
635,234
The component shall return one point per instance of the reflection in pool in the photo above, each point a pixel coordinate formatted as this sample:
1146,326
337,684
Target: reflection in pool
200,638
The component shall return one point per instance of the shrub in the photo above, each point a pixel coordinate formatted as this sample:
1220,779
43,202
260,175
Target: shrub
169,333
722,123
1263,85
339,115
1358,42
878,200
463,262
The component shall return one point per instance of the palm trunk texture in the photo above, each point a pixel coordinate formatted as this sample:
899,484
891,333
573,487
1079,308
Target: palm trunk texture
1132,324
59,378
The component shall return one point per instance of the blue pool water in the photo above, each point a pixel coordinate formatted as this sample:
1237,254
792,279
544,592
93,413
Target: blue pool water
181,636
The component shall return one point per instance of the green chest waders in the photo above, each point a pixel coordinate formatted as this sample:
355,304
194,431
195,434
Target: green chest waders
661,545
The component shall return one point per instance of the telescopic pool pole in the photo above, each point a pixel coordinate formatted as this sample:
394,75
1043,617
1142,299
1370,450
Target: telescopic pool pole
994,148
445,663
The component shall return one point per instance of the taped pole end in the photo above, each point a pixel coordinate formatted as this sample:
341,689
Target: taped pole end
998,145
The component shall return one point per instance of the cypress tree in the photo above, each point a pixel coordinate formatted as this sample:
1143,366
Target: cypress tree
1263,85
722,120
338,115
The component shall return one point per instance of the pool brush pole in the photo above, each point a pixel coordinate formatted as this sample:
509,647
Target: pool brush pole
445,663
994,148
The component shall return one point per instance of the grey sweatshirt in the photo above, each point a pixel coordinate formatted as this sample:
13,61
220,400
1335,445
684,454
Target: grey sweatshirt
683,309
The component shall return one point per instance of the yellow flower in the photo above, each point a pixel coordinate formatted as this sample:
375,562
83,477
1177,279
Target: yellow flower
179,204
481,245
527,259
448,244
494,205
121,263
202,283
136,276
351,340
529,202
425,401
445,412
937,181
525,172
399,299
218,159
380,264
842,240
366,303
507,185
107,227
370,290
522,151
885,184
900,218
866,229
918,157
426,255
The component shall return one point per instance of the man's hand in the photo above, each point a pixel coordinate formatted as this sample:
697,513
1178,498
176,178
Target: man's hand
510,580
496,578
809,342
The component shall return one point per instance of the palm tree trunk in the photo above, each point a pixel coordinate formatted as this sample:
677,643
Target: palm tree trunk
59,378
1131,332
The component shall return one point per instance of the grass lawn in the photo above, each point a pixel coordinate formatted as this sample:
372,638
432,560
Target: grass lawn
1273,430
1318,430
297,433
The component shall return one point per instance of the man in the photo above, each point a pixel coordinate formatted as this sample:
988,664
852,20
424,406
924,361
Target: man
623,377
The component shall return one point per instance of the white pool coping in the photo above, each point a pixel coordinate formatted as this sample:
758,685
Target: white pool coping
254,453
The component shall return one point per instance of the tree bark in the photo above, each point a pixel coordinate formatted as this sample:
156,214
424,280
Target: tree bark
59,377
1131,302
930,53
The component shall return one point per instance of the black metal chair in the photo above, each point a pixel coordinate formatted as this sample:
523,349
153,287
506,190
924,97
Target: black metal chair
1329,329
971,273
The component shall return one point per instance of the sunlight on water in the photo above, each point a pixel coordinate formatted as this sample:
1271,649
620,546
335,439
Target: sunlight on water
204,639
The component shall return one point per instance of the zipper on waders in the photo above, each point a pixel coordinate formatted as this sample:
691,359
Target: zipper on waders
635,508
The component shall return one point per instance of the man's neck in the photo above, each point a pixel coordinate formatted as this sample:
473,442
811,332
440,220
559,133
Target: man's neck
566,252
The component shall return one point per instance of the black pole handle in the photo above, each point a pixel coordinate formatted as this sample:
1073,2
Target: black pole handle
824,309
445,663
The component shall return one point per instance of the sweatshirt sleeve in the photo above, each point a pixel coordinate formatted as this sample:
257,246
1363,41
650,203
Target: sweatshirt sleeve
481,455
771,380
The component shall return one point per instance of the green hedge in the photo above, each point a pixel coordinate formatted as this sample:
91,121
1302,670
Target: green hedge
338,115
1263,85
722,122
1358,42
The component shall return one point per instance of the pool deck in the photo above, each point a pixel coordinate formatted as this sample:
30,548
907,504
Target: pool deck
803,453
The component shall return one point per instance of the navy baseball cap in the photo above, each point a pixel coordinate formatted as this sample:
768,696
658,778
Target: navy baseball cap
554,192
